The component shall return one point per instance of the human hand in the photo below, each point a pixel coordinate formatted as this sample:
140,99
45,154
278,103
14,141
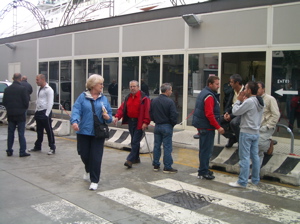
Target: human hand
242,96
75,127
144,126
116,121
221,130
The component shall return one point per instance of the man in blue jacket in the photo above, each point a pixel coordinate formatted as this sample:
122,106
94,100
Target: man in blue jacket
16,101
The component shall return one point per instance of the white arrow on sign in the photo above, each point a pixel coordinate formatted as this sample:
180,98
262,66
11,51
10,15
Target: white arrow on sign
286,92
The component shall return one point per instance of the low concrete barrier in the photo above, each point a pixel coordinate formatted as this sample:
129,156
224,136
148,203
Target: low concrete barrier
60,127
120,138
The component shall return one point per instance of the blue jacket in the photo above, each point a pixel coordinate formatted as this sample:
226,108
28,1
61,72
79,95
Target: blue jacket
82,112
199,118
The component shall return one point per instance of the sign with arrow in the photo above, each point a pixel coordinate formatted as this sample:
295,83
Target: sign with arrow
286,92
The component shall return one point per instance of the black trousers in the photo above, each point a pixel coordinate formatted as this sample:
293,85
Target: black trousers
44,122
90,150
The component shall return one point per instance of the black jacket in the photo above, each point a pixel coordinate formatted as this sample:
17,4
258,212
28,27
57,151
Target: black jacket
16,100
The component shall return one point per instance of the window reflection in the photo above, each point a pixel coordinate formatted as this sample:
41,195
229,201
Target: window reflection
150,75
79,77
130,71
95,66
110,74
173,73
285,86
201,66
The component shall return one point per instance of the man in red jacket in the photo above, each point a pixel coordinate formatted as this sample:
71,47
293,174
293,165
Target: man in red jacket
135,112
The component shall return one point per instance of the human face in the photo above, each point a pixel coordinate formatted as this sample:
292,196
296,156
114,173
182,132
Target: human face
134,88
260,90
214,86
169,92
247,91
98,87
39,81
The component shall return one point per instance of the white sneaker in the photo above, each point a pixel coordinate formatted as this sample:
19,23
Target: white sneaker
93,186
235,184
86,176
51,152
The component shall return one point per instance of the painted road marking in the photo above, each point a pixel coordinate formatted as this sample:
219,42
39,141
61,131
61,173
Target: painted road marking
66,212
270,189
244,205
156,208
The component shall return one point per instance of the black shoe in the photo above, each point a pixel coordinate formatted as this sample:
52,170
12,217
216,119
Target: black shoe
156,168
210,172
34,150
197,136
170,170
24,154
230,143
206,176
9,153
136,161
128,164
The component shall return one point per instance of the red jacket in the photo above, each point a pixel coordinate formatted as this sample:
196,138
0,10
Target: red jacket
144,116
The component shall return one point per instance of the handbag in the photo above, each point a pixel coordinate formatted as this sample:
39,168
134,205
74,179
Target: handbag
101,129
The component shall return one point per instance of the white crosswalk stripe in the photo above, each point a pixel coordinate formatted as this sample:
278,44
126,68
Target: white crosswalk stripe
66,212
160,210
270,189
240,204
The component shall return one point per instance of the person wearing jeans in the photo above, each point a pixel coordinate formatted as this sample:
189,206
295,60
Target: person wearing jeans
163,112
250,107
206,119
16,101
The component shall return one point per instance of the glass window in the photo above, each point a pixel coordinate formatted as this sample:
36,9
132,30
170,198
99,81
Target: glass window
201,66
173,73
285,88
79,77
53,81
150,75
110,74
95,66
65,84
130,71
43,68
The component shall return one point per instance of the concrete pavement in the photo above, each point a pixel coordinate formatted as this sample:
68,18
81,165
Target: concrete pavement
49,189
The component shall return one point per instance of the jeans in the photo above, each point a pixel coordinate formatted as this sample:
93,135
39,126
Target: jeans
206,144
163,133
11,135
248,148
136,137
90,150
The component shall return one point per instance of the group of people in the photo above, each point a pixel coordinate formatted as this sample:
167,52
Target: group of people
250,113
250,118
16,100
137,111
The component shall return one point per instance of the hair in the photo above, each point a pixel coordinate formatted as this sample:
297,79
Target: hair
165,86
253,86
261,83
236,78
17,77
137,83
93,80
42,76
211,79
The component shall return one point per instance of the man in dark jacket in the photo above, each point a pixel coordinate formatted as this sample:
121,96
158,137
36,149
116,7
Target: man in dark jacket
16,101
163,112
134,111
206,119
27,85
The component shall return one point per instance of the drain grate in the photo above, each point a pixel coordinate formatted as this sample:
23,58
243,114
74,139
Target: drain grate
187,199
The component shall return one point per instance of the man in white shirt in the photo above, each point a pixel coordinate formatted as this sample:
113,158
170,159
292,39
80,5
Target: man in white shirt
270,118
43,115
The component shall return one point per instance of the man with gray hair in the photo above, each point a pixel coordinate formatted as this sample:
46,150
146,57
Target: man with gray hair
163,112
16,101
